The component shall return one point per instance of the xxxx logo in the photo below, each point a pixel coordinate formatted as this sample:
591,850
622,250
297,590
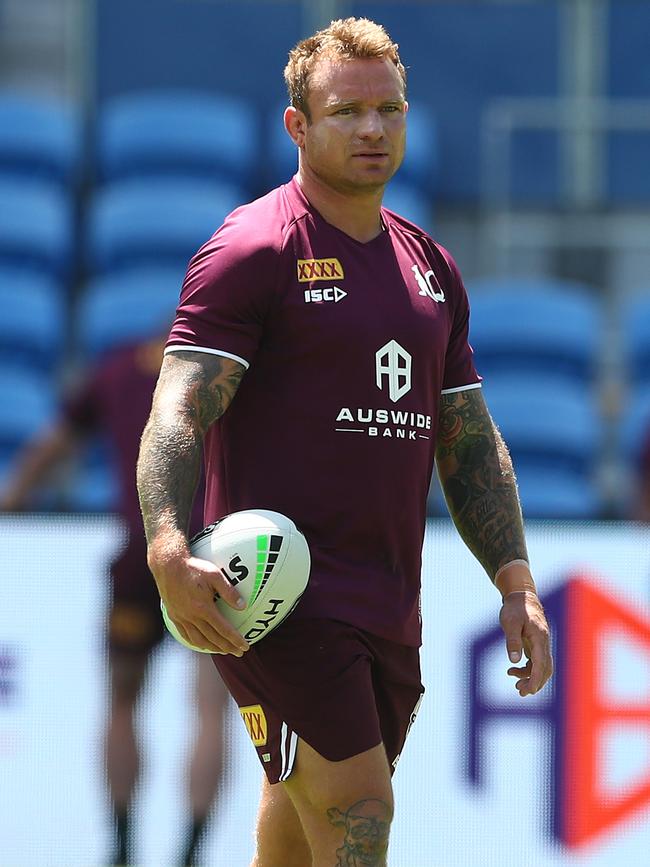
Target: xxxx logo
319,269
255,722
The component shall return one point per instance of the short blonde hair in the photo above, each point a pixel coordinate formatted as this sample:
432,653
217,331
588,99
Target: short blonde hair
347,38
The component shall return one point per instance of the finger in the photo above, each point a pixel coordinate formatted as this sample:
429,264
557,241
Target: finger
514,644
219,583
201,634
524,671
539,659
222,633
191,636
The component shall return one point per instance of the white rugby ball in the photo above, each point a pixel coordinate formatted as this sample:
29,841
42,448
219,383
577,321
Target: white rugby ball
266,557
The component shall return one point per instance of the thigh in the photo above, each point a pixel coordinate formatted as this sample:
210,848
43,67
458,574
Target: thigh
345,807
310,680
280,838
135,623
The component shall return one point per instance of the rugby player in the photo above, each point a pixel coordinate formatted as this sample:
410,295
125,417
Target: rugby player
320,358
114,400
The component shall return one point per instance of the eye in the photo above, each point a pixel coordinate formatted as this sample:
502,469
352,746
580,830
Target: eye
390,109
347,110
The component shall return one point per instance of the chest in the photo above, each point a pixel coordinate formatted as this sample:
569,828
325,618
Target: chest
353,299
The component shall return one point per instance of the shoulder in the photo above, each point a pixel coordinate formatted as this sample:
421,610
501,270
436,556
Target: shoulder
257,229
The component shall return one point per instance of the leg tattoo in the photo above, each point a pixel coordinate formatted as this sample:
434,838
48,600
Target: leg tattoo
366,824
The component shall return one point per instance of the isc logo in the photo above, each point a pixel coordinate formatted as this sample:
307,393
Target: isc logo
331,293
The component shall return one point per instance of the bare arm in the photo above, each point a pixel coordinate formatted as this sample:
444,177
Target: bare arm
194,389
478,480
35,463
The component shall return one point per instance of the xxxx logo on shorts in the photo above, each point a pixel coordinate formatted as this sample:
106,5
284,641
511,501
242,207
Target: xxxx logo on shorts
255,723
310,270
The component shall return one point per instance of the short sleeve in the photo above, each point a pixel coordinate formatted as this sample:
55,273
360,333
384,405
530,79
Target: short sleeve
460,372
226,294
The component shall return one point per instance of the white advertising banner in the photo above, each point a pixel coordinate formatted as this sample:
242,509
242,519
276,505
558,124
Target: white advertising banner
562,778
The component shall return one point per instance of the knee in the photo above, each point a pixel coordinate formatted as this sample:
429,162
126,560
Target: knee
127,674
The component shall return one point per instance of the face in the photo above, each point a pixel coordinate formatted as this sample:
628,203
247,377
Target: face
354,139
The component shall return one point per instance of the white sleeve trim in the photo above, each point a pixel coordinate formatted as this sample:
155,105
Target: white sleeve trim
182,348
461,388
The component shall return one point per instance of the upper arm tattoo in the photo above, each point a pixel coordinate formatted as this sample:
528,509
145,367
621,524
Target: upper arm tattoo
194,389
206,383
478,480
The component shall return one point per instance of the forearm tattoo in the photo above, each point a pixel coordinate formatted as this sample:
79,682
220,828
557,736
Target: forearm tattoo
365,828
478,481
193,390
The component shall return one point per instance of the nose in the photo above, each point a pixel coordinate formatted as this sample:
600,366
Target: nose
371,127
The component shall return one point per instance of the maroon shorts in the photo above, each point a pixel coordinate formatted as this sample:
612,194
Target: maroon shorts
135,624
341,690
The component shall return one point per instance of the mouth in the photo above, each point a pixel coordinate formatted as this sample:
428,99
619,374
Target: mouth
374,156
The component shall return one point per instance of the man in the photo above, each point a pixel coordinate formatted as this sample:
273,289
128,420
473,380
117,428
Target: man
115,400
320,352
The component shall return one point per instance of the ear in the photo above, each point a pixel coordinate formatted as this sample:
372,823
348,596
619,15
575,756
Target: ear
295,124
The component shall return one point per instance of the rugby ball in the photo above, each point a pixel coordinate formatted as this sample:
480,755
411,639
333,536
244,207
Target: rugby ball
266,557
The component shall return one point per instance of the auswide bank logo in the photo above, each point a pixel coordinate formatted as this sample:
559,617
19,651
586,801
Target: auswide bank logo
593,720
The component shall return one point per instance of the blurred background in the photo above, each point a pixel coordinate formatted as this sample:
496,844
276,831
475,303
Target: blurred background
128,130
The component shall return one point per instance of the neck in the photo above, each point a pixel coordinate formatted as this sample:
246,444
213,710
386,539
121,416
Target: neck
358,214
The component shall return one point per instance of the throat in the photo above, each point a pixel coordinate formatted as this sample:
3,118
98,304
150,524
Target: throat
357,215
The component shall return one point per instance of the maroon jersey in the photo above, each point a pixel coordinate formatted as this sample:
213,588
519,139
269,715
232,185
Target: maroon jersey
349,346
115,400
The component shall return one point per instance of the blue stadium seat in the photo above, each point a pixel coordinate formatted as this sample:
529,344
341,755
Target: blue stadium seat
39,138
547,420
543,326
408,201
126,307
93,485
634,425
282,161
32,325
421,158
28,404
636,338
627,180
555,436
551,493
150,221
36,226
213,136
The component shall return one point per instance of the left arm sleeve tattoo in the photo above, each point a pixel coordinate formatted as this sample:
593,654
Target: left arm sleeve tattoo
478,481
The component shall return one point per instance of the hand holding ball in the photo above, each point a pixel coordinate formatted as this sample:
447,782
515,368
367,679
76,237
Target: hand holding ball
264,555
